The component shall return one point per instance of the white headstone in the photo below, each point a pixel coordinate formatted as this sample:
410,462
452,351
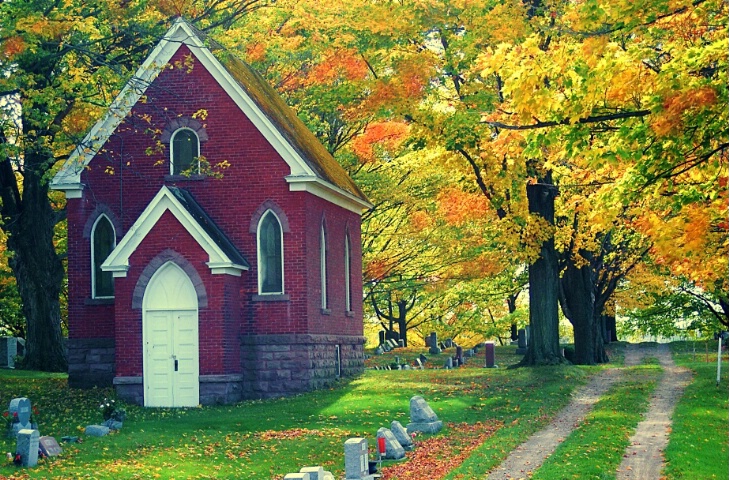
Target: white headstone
27,447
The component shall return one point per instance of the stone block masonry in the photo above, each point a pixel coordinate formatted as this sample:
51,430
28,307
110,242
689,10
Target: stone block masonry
279,365
91,362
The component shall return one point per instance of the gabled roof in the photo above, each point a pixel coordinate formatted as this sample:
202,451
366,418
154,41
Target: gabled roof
313,168
223,257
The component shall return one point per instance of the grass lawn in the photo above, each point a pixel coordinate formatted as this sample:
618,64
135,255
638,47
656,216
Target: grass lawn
698,446
487,413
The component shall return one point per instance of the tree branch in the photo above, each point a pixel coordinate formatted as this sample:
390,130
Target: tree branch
567,121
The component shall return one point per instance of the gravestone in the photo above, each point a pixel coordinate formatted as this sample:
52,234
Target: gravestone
401,435
356,460
20,408
521,346
449,342
448,363
317,473
27,447
401,343
423,358
459,355
468,353
393,449
96,430
379,351
490,355
434,350
386,347
8,351
49,446
297,476
419,364
422,417
382,337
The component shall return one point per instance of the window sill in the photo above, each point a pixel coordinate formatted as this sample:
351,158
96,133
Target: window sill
326,311
184,178
349,313
99,301
274,297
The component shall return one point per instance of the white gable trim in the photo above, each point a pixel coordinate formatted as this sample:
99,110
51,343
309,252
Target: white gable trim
118,260
328,192
69,177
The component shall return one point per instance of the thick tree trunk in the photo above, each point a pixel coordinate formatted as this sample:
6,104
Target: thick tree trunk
577,297
511,303
543,348
35,263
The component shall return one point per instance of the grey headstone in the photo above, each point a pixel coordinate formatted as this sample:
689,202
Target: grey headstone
469,353
521,348
449,342
459,355
401,435
27,447
419,363
425,427
420,411
448,363
49,446
356,459
97,430
379,351
422,417
8,351
423,358
21,406
401,343
406,367
393,449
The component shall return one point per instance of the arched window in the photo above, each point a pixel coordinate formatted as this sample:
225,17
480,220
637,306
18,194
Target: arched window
323,267
270,254
103,241
185,152
347,275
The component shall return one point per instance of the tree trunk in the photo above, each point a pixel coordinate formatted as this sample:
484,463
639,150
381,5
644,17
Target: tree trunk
511,303
577,297
35,263
543,347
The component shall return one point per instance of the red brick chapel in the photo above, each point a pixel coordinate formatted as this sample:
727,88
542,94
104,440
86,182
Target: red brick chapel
214,248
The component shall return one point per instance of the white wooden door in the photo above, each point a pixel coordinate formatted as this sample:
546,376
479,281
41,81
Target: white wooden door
170,337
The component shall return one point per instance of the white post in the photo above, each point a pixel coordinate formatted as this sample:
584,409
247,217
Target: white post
718,364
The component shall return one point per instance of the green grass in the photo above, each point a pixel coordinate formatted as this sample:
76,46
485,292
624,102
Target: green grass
595,449
267,439
697,447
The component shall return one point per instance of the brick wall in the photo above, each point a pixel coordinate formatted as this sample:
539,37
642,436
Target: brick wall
130,169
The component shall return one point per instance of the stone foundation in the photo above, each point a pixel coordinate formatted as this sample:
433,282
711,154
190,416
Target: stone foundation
272,365
130,389
90,362
281,365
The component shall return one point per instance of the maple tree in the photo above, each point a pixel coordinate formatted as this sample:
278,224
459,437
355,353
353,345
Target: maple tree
62,63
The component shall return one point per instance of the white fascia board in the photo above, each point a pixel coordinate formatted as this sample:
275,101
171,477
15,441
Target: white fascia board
118,260
70,173
327,191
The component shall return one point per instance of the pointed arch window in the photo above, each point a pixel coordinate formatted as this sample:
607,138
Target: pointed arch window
347,274
103,241
185,152
270,255
323,267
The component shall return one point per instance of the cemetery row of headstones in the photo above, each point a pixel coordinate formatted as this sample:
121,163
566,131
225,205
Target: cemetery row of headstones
457,360
391,444
30,445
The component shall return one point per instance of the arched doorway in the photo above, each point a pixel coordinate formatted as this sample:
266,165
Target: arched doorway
170,340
